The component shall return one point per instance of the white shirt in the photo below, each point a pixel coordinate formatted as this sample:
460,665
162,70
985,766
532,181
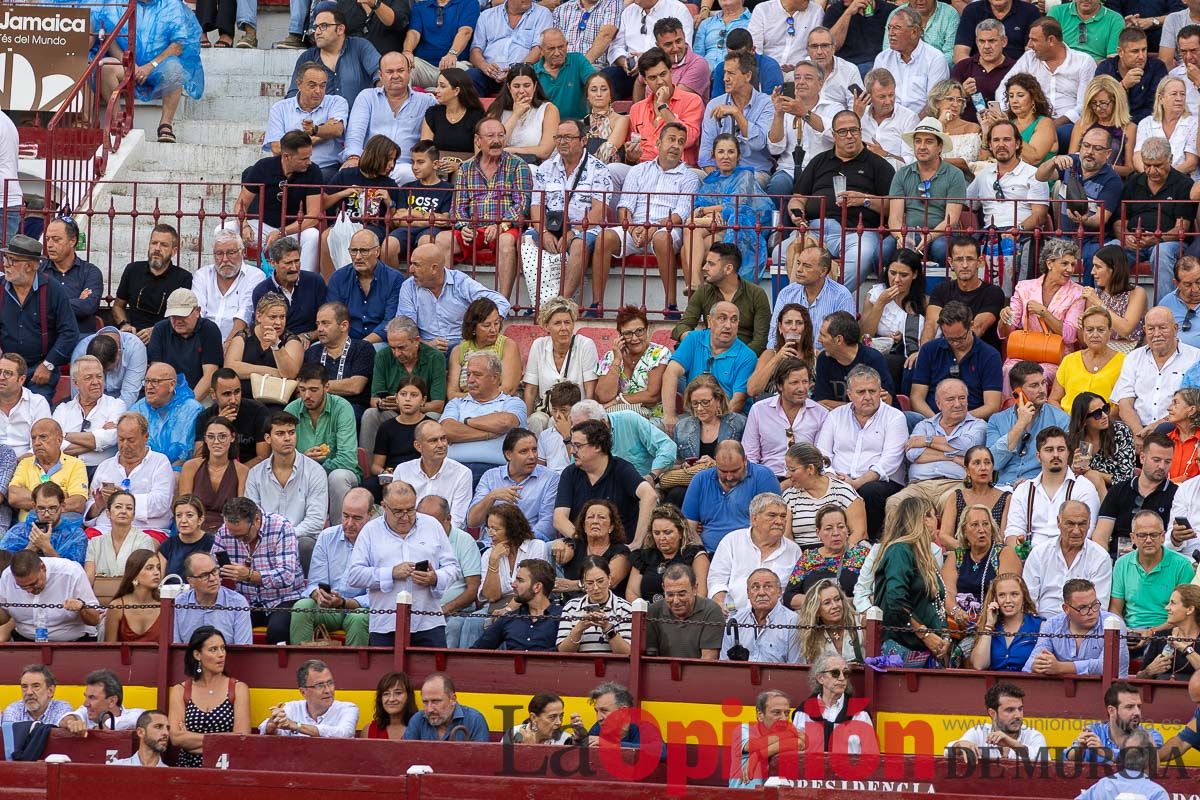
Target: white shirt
110,563
552,450
814,142
893,319
838,82
1064,87
134,760
1150,387
1193,94
878,445
915,77
236,303
69,415
452,483
737,556
886,134
1032,739
378,549
1045,508
652,193
125,721
10,161
1187,505
769,645
1020,182
506,566
65,580
594,185
593,640
1182,139
339,722
774,37
800,721
634,37
14,431
1046,570
541,370
153,485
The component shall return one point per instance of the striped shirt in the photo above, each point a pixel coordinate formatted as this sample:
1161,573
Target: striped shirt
582,25
274,558
804,508
593,640
651,194
832,297
484,201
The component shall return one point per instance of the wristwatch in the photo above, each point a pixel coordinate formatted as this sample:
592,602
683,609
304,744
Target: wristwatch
866,202
928,440
1187,651
48,366
663,106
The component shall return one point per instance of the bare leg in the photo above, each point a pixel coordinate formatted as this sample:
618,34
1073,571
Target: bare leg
610,240
576,253
110,76
664,251
391,252
506,264
445,242
170,104
327,267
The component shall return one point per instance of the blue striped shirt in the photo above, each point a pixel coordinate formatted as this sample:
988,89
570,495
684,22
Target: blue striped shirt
833,297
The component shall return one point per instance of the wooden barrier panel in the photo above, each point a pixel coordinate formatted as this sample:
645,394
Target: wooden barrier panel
76,781
98,747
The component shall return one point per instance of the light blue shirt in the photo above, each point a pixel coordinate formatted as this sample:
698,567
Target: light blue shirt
287,115
234,625
1179,311
1108,746
1088,656
1115,785
970,432
441,317
710,43
487,451
373,115
833,297
1023,463
732,368
759,113
538,492
330,560
771,644
504,45
470,563
641,443
126,378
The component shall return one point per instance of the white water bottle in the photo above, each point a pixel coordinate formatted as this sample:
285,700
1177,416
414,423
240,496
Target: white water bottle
41,630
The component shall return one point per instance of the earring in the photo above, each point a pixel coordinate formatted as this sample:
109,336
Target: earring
967,482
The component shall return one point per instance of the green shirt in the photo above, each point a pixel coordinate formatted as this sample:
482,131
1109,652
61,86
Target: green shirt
754,312
431,368
335,427
1146,594
948,181
941,30
1102,30
566,90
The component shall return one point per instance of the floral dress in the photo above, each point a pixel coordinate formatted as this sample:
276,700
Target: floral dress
1121,463
1117,305
638,379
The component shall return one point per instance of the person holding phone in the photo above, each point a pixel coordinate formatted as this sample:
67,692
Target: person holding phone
598,621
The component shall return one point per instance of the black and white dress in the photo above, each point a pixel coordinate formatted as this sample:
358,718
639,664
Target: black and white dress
196,720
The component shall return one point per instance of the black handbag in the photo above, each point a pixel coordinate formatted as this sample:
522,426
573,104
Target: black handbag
1077,199
556,220
737,652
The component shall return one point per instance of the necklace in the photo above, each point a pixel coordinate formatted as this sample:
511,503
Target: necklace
1084,357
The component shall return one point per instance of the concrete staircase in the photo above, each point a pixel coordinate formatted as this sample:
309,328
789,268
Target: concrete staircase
193,183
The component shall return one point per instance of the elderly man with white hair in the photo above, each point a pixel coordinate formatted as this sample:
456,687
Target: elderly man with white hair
916,64
477,423
89,419
761,546
635,438
225,287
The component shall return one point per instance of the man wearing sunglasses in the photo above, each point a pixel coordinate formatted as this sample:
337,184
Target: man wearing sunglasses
1072,641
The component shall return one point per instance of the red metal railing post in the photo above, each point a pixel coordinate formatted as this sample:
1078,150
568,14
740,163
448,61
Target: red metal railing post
403,629
636,645
166,635
1113,641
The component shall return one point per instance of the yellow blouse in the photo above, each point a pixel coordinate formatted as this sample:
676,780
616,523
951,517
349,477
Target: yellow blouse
1075,378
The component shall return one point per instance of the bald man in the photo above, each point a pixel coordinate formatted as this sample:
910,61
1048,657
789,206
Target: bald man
367,287
171,413
48,463
1151,374
1069,555
716,351
718,499
937,448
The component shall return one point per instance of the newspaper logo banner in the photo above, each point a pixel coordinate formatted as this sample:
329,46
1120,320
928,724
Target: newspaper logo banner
43,51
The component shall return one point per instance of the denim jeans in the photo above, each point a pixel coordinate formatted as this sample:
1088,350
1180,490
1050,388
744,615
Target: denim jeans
247,13
298,23
1162,258
12,222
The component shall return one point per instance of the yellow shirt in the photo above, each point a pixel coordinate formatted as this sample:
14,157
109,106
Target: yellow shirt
1075,378
71,477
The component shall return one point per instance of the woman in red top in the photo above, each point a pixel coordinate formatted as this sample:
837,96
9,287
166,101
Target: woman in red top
394,707
1184,413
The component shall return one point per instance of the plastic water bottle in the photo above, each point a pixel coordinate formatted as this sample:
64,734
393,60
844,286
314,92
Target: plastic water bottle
980,103
41,629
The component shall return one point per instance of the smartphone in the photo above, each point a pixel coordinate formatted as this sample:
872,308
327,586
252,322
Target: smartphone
1019,394
855,90
422,566
1183,521
108,486
691,461
222,559
994,105
324,587
594,607
383,395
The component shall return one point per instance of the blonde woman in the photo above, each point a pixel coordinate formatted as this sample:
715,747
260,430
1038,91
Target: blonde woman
560,356
946,102
1171,121
1095,368
978,559
909,588
1106,106
266,348
829,625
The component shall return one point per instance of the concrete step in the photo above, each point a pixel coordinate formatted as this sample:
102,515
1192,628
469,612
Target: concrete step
192,131
265,62
242,84
172,187
252,110
216,159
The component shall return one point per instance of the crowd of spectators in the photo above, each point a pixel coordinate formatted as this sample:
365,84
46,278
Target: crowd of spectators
986,429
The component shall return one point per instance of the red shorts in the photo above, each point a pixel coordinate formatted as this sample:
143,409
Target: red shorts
470,251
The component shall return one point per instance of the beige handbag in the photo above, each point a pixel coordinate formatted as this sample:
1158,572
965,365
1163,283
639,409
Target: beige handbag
271,389
105,588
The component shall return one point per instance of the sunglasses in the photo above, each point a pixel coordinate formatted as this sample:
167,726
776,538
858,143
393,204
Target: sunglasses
584,20
998,190
925,189
645,17
441,17
1083,33
791,26
1098,414
838,673
1186,325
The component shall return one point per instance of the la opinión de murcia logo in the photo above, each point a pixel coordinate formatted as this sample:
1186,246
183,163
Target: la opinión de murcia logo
42,24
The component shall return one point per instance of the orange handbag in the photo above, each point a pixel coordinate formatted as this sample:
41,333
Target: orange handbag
1038,346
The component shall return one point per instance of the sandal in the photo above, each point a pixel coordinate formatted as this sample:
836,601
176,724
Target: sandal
166,134
224,42
204,42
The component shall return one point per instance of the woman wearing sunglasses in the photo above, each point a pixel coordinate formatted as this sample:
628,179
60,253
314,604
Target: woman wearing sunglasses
1184,414
829,679
1102,446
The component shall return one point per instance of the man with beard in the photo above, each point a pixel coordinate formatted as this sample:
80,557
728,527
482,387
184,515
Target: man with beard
348,363
532,620
1137,73
326,432
36,319
1037,503
188,342
224,288
154,737
1103,741
1005,735
684,623
1012,431
442,717
145,285
304,292
1149,490
935,180
1072,642
1101,184
249,418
